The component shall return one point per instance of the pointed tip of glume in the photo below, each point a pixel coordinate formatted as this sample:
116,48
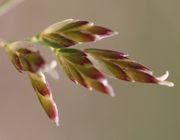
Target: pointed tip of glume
111,91
164,76
112,94
162,80
56,122
166,83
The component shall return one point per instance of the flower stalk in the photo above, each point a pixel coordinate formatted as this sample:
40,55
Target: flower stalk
7,5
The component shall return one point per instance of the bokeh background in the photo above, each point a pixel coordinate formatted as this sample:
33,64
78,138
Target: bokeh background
149,30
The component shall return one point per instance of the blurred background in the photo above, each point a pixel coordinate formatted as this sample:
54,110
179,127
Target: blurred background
149,30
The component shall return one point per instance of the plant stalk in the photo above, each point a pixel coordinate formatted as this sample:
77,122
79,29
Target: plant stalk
7,5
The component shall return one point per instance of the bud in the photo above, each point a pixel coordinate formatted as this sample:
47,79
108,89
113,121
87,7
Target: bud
81,71
71,32
44,95
24,56
118,65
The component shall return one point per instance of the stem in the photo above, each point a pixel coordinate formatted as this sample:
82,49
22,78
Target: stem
7,5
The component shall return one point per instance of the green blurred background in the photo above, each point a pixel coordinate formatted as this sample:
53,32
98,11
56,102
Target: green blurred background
149,30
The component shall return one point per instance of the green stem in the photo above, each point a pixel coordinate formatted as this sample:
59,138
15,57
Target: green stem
7,5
